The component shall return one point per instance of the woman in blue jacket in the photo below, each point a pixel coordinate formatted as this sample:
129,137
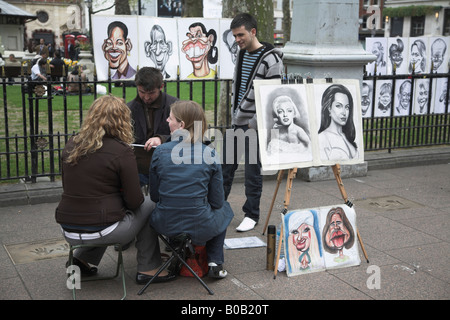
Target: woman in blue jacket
186,180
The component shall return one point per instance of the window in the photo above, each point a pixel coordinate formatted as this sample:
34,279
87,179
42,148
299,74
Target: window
417,26
447,22
396,27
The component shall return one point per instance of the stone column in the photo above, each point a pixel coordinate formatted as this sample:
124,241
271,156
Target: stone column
324,40
324,43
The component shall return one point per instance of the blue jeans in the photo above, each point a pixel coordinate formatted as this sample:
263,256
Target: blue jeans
214,249
252,163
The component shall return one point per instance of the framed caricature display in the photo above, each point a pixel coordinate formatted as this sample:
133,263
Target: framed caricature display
303,125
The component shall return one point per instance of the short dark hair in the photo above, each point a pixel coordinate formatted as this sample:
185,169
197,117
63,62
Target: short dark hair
41,61
150,78
119,24
244,19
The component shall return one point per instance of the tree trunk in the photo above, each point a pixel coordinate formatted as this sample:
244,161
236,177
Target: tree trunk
286,21
192,8
122,7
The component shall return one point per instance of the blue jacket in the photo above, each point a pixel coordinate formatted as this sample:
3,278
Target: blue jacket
186,184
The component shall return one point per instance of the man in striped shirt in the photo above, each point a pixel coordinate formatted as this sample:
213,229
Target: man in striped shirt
256,60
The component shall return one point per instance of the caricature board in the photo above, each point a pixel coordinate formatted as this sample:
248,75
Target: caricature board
397,54
406,52
378,47
440,94
160,45
383,98
295,130
199,52
121,44
366,98
190,46
313,242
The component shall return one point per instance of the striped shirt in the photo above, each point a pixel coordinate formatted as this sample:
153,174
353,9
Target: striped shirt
248,62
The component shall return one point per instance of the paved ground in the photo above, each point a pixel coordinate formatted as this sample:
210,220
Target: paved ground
403,216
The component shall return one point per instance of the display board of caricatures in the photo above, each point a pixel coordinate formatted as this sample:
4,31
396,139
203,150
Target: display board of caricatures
410,96
303,125
193,48
313,243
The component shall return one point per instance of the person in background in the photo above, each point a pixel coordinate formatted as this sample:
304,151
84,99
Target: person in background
256,60
77,75
102,201
149,111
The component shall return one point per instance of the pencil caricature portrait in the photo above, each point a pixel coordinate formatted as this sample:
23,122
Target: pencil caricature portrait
383,98
440,96
337,133
366,99
421,96
417,56
397,55
439,55
403,100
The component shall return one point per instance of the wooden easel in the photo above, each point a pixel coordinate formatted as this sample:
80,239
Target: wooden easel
287,196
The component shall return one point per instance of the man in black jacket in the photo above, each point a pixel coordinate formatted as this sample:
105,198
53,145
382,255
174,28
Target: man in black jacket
150,110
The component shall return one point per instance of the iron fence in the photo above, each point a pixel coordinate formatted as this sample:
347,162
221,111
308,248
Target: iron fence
39,117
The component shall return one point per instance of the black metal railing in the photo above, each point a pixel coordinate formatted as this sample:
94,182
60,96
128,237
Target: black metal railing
39,117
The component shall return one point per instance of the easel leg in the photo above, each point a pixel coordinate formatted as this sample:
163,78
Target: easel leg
287,198
280,177
337,174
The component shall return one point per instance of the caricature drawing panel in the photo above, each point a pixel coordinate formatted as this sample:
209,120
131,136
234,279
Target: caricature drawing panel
439,53
339,236
378,47
402,97
228,49
397,49
418,57
440,95
383,98
366,98
198,46
115,46
421,94
285,120
339,122
159,45
302,241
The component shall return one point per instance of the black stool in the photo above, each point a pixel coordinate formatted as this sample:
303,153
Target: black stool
181,246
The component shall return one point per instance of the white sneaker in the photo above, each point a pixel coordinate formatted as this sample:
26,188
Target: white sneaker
246,225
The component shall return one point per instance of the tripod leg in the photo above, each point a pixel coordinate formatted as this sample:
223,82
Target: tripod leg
165,265
362,246
280,176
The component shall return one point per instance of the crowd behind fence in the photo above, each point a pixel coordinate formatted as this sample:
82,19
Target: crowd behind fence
39,117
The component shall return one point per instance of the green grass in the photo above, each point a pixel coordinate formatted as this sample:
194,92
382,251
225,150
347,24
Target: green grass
66,118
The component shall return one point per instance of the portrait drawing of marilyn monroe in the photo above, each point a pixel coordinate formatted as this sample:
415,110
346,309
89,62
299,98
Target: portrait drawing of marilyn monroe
337,133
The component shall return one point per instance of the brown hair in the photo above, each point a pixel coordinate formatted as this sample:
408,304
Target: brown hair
108,115
192,114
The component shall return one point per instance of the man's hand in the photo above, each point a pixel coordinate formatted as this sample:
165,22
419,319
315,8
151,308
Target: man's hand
152,143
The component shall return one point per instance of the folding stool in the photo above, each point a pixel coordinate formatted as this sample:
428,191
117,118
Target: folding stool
182,243
120,266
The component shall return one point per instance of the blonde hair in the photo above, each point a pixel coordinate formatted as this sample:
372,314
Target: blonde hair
108,115
191,113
